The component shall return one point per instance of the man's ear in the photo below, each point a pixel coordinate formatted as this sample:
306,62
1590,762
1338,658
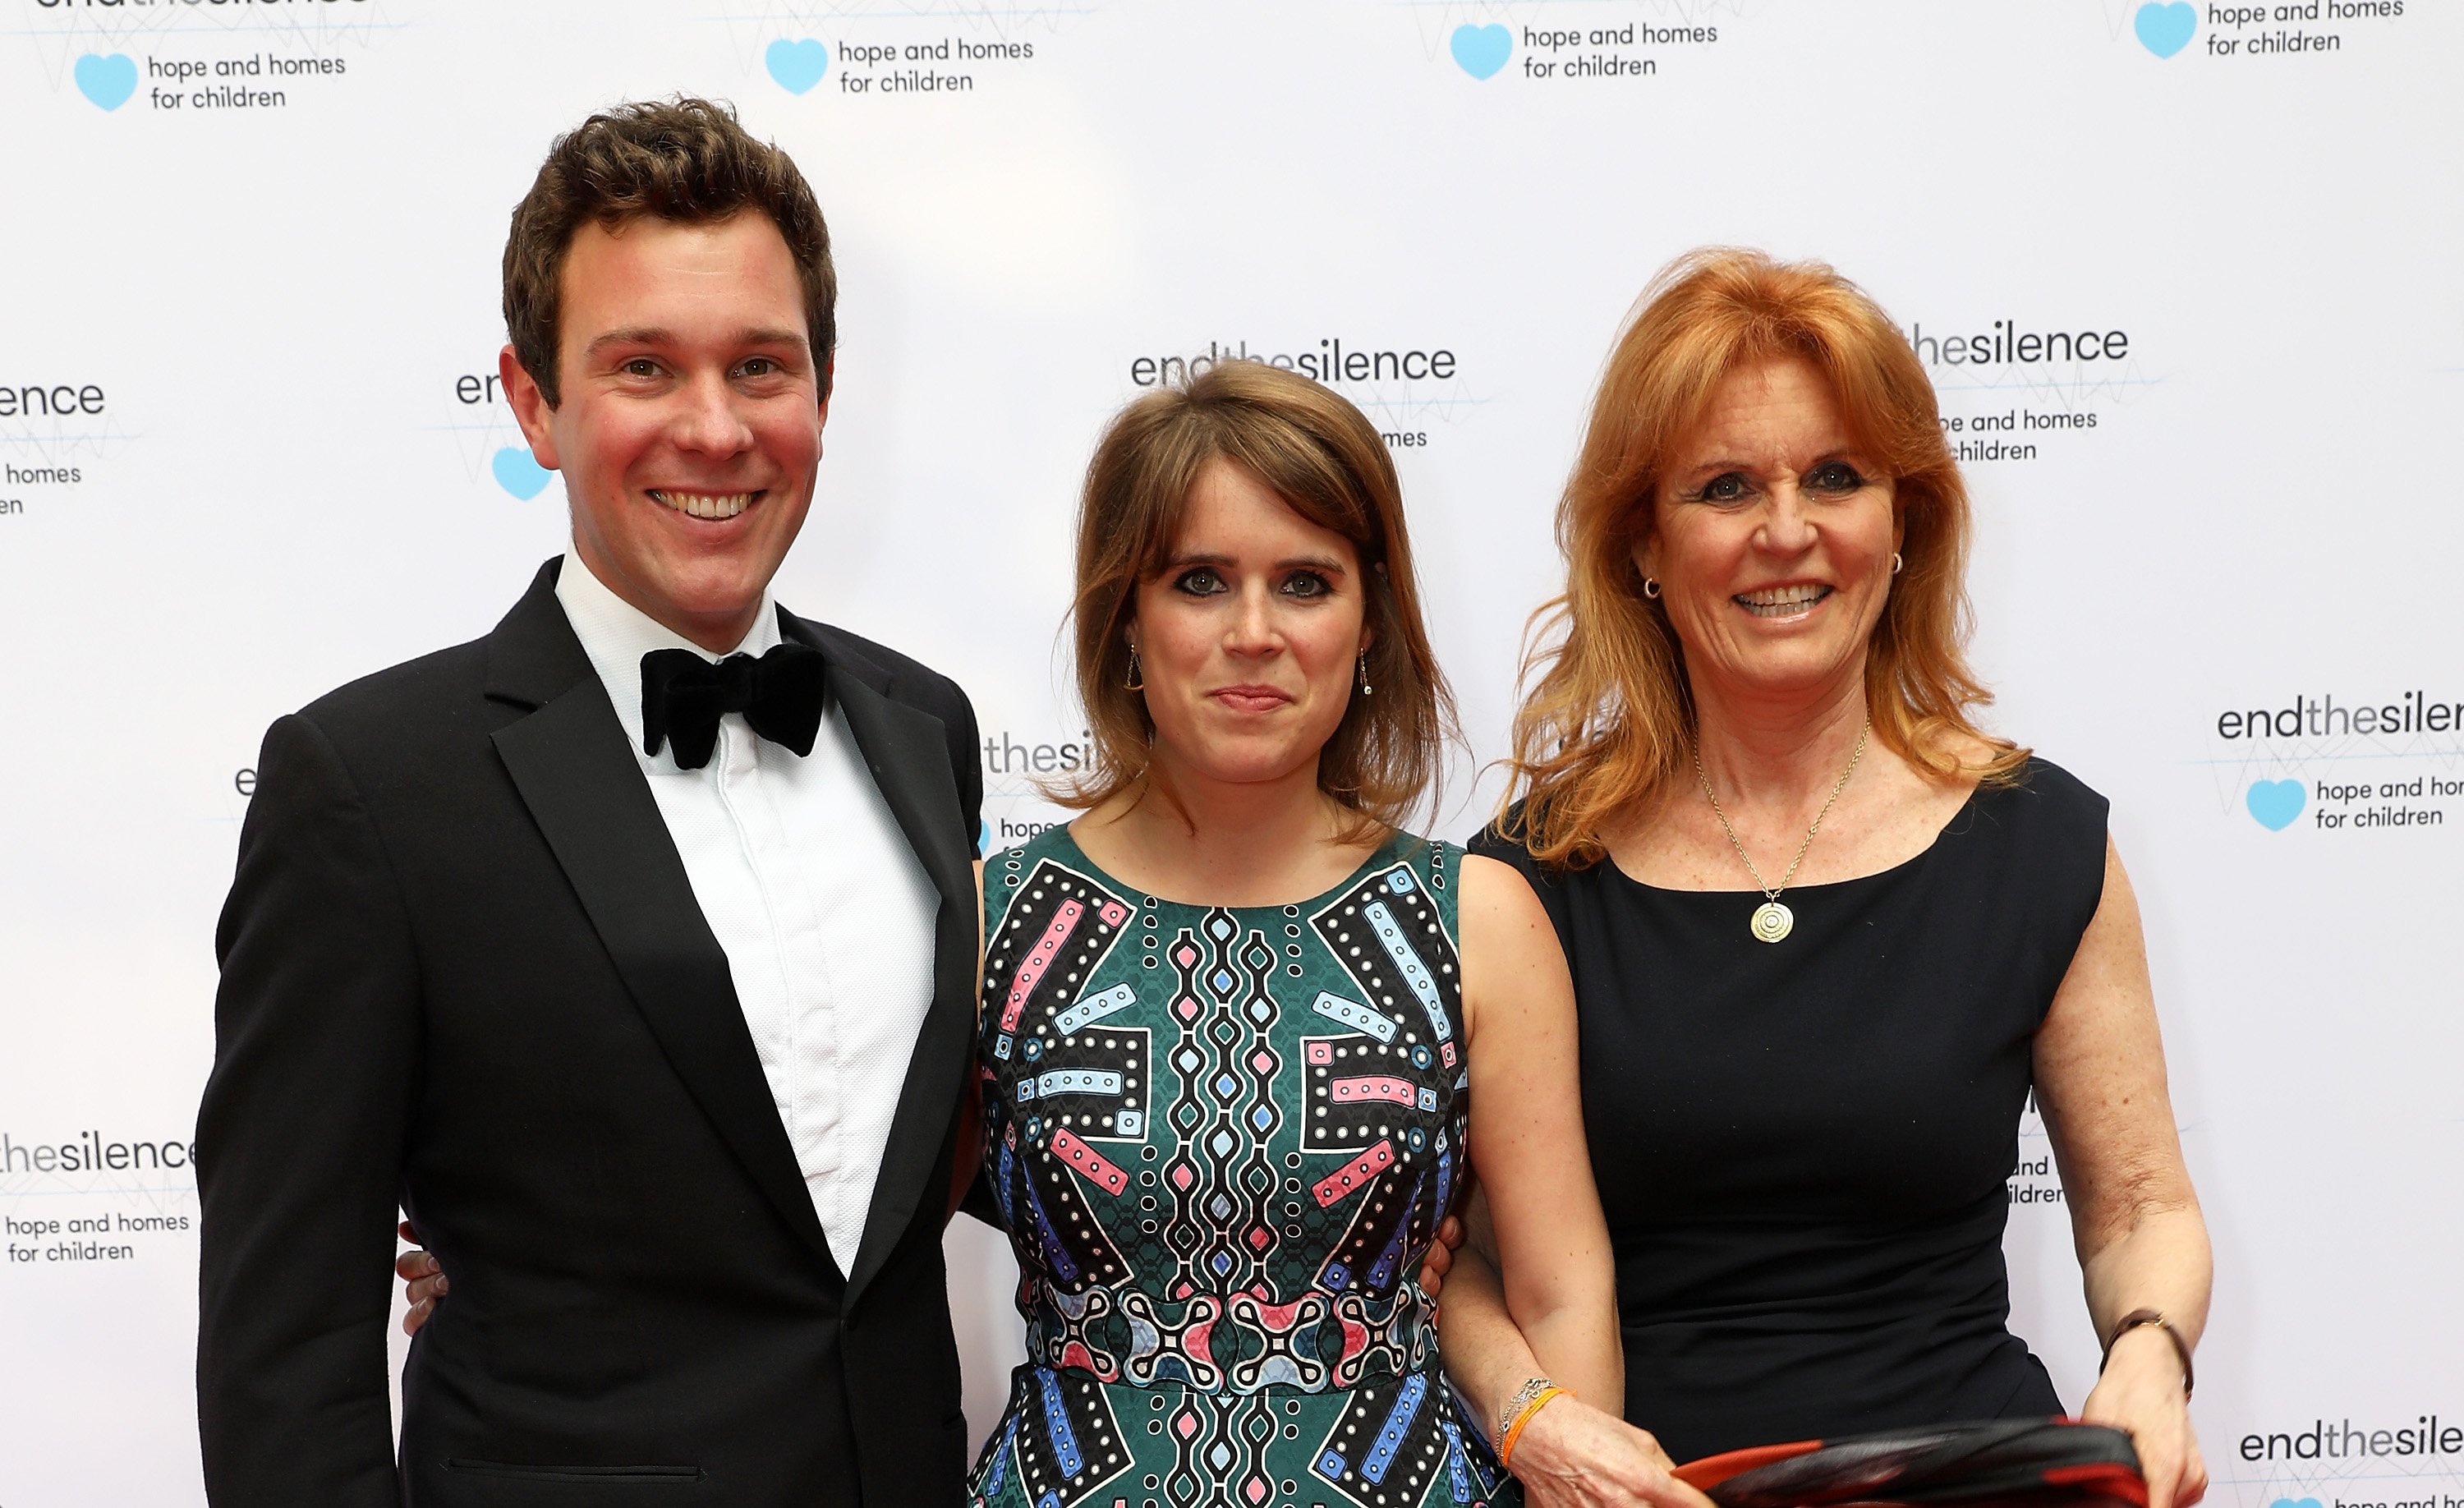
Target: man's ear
529,404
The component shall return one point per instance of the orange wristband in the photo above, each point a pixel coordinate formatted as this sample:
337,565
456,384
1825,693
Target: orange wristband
1515,1431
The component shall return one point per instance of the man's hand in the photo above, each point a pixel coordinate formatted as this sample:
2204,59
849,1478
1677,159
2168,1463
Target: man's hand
423,1278
1439,1259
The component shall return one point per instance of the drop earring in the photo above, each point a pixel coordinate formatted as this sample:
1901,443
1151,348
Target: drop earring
1364,673
1134,681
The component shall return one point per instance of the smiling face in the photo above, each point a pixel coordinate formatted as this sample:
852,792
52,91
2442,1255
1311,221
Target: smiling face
690,420
1771,536
1248,639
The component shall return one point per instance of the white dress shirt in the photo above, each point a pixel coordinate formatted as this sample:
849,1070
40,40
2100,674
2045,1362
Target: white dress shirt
822,908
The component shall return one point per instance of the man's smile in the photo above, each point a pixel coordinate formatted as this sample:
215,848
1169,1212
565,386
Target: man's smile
704,505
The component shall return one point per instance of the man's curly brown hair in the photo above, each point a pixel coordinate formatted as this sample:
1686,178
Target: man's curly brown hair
685,160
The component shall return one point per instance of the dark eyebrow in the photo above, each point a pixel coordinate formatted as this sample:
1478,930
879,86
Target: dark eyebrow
632,335
1298,562
646,335
770,336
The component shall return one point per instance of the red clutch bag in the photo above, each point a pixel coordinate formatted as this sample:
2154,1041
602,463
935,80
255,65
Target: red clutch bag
2024,1463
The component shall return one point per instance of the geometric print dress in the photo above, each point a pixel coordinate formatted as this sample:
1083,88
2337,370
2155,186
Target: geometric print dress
1221,1139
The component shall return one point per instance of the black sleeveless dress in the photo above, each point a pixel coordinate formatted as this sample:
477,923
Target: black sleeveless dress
1802,1146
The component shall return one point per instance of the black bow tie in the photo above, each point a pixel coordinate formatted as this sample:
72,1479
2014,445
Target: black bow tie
781,695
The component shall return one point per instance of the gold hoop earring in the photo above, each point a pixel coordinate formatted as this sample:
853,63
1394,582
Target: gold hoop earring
1134,681
1650,586
1364,673
1896,562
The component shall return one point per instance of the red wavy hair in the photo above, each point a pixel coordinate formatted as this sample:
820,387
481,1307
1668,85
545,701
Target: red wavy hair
1609,721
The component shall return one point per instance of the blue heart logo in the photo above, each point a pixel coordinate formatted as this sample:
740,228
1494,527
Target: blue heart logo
107,79
2275,803
2294,1502
518,473
1482,50
2165,30
797,65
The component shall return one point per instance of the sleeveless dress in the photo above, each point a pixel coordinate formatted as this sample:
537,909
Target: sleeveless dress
1802,1147
1221,1139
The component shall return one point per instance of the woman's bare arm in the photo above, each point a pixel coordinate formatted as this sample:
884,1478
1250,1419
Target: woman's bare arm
2142,1243
1527,1137
1542,1302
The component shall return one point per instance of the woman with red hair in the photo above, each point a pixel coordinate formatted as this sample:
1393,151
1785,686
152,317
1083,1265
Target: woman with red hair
1827,934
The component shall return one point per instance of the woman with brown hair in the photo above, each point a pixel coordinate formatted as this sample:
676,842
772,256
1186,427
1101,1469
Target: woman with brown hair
1826,934
1232,1013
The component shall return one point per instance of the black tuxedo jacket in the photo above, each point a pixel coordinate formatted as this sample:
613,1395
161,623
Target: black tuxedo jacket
463,971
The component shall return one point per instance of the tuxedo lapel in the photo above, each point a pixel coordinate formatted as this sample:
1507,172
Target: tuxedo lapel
569,760
908,752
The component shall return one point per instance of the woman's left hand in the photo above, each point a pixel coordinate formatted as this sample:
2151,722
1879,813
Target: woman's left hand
2141,1393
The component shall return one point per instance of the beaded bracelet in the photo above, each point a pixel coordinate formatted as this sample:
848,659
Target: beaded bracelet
1515,1431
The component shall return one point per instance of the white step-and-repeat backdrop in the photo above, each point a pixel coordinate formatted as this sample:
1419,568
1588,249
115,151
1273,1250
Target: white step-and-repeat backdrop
251,446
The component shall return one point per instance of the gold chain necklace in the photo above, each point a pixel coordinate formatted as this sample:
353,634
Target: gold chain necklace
1772,921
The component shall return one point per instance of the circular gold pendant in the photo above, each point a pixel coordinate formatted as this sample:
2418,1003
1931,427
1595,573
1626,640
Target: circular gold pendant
1772,921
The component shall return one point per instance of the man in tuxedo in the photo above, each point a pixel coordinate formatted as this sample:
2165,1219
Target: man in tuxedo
631,949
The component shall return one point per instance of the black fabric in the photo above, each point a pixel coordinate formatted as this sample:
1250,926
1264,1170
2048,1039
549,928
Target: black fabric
463,971
1802,1146
782,693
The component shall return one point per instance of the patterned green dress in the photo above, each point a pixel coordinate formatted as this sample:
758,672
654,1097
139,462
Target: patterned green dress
1221,1139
